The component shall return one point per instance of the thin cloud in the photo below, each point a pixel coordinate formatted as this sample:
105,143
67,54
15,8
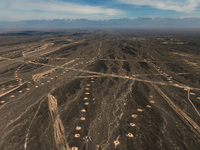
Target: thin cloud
60,8
175,5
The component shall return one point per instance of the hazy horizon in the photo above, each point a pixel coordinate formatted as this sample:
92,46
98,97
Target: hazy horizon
11,10
99,13
191,23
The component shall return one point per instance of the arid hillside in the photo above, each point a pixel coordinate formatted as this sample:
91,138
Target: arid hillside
92,90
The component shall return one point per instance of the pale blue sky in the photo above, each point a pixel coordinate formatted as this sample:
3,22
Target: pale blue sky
97,9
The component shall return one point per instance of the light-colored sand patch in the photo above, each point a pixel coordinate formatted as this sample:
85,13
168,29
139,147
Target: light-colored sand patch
134,116
130,135
36,86
92,81
87,93
116,143
2,102
86,103
92,78
148,106
77,135
88,85
48,81
176,85
94,99
192,93
51,78
42,83
12,96
151,96
87,88
82,118
132,124
78,128
140,110
85,98
74,148
152,102
20,91
198,98
83,110
28,89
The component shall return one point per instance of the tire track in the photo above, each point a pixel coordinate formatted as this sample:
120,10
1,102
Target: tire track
192,103
192,124
59,131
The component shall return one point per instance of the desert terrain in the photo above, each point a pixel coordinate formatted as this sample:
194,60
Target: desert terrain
90,90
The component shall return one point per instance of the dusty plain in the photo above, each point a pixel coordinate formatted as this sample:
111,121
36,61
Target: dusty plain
95,89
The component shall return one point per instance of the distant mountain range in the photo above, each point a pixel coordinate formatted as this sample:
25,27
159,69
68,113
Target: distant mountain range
112,23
